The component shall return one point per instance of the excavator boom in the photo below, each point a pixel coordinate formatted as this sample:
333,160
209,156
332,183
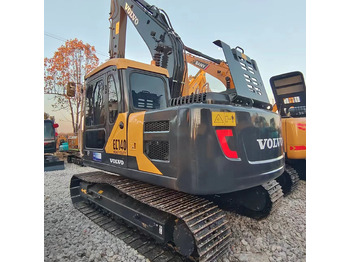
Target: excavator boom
165,46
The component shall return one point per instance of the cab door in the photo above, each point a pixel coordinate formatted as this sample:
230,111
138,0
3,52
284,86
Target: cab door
95,119
116,126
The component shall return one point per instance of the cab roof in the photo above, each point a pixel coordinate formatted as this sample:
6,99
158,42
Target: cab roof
122,63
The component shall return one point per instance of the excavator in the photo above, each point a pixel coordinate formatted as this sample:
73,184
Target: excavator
289,90
208,65
168,164
198,83
220,70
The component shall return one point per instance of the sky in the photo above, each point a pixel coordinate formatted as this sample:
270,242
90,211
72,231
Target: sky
272,32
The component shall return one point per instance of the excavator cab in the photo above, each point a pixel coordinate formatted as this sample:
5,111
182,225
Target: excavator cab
114,91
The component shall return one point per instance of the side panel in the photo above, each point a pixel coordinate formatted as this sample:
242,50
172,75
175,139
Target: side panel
135,143
284,135
295,137
116,148
116,143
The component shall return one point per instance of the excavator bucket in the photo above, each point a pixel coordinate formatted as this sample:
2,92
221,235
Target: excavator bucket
246,76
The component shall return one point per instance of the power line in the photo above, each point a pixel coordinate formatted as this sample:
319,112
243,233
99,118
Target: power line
55,37
64,40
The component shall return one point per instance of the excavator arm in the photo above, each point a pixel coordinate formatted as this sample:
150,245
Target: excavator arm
165,46
218,70
197,84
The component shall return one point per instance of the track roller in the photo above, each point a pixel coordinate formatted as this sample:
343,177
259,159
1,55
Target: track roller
183,239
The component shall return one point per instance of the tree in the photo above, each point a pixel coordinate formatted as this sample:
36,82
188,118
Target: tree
70,63
47,116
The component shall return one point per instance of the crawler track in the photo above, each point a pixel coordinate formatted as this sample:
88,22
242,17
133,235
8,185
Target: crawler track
275,193
299,165
132,237
293,175
205,221
272,193
288,180
257,202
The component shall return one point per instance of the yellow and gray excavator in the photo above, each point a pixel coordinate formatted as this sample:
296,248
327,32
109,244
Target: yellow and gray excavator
169,163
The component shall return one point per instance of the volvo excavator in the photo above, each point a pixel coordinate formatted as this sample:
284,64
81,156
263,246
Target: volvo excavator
289,90
221,71
169,163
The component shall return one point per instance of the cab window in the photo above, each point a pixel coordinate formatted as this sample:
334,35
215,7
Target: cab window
148,91
113,98
49,131
99,111
89,106
94,104
95,138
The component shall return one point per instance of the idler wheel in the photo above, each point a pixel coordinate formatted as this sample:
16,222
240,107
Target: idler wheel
183,239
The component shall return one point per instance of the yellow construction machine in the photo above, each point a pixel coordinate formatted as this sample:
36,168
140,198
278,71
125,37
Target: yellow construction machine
197,84
216,68
290,95
170,163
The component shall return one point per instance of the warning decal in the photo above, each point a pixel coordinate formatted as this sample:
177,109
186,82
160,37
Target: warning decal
223,118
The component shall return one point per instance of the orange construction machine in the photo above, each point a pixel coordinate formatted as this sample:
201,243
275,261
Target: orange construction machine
290,94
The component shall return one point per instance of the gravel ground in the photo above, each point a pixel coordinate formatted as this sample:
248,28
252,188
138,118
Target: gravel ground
70,236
